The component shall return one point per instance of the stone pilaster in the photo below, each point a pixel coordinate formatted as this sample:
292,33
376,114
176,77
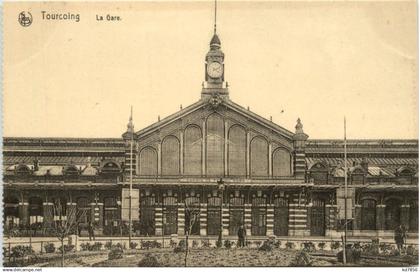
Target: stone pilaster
203,219
299,221
380,217
299,142
225,219
24,213
248,220
331,219
270,219
181,219
158,220
405,215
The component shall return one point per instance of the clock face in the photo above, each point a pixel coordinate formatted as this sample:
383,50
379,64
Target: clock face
214,69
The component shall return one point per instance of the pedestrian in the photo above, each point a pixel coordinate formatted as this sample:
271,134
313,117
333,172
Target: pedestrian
399,237
241,236
91,231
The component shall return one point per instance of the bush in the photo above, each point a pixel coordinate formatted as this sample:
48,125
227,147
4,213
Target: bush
370,249
152,244
290,245
133,245
49,248
181,247
277,244
149,261
411,250
219,243
96,246
67,248
302,258
321,245
195,244
115,253
309,246
84,247
228,244
172,244
266,246
353,255
335,245
119,245
108,245
385,248
21,251
205,243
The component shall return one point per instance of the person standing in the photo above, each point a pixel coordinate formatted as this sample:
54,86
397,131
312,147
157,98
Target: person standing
399,237
91,231
241,236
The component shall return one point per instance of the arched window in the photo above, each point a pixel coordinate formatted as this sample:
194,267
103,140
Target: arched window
111,216
259,157
170,215
414,216
368,214
148,162
215,145
281,163
318,173
70,170
392,213
147,215
258,216
192,154
237,151
22,170
170,156
213,215
236,210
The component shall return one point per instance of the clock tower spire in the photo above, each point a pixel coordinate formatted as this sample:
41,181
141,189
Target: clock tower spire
214,66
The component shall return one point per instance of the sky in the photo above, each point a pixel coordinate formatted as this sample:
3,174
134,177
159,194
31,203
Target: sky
317,61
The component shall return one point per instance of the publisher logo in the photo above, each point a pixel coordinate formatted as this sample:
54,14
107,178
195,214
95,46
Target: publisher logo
25,18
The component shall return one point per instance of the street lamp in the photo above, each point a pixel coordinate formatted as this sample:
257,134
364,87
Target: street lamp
221,186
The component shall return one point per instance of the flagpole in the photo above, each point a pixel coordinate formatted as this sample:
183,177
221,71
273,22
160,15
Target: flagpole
131,182
345,193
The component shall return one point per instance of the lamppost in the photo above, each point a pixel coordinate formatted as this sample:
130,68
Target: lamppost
221,185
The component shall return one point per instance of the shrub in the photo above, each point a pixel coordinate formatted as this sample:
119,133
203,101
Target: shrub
219,243
353,255
411,250
96,246
153,244
385,248
370,249
195,244
149,261
67,248
266,246
133,245
172,244
228,244
290,245
321,245
205,243
181,247
21,251
84,246
108,245
335,245
119,245
277,244
49,248
115,253
309,246
302,258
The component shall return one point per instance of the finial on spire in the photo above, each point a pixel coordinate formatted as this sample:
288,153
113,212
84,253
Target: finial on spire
130,125
215,16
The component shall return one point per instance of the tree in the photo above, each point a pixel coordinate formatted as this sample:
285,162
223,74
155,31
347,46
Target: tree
65,222
192,213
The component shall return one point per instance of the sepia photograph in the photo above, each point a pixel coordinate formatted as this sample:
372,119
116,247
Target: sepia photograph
210,134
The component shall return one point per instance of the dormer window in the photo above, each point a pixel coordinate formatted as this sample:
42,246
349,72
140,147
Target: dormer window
110,167
70,170
357,175
318,173
22,170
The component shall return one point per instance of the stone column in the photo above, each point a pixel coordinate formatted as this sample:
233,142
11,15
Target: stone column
181,219
181,155
159,154
24,213
380,217
203,219
225,218
299,217
203,148
248,219
405,215
248,169
158,220
226,149
270,219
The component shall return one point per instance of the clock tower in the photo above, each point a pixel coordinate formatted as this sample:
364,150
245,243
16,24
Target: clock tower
214,69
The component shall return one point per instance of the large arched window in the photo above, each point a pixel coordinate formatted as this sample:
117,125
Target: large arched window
259,157
392,213
170,156
318,173
215,145
192,150
148,162
281,163
368,214
237,151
